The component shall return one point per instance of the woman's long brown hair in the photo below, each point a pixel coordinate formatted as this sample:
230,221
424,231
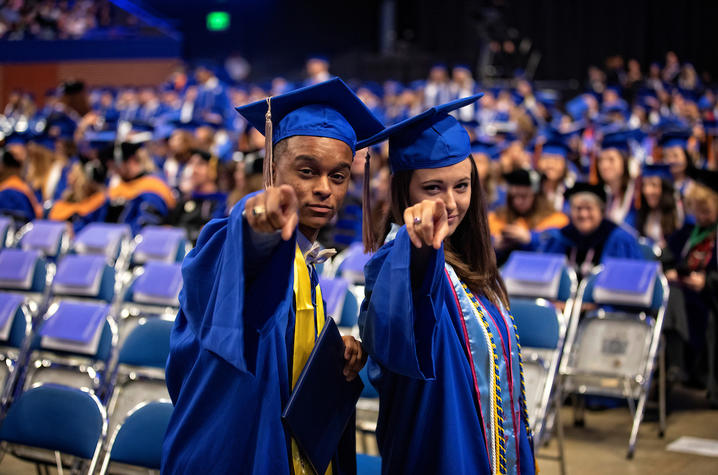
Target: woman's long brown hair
469,249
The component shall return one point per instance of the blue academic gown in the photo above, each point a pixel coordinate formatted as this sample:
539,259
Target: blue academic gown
618,242
429,420
229,366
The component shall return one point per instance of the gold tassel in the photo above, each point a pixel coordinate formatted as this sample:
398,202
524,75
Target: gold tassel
267,169
367,226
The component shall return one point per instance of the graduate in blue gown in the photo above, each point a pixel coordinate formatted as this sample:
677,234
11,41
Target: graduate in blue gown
444,352
589,238
251,306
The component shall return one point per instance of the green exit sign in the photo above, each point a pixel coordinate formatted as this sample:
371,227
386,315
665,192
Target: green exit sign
217,21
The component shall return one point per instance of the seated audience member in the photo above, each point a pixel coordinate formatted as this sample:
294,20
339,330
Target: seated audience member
589,238
674,146
521,222
16,197
485,155
553,165
138,197
660,212
203,201
692,271
85,199
613,170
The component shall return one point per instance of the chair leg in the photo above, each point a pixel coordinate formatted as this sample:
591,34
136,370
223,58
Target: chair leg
662,389
637,417
558,423
579,405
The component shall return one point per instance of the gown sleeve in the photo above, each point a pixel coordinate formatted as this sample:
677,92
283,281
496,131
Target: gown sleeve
228,305
622,244
399,317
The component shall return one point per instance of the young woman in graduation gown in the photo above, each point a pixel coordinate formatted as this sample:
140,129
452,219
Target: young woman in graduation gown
444,351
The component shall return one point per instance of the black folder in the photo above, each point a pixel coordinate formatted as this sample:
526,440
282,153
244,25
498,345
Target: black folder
323,401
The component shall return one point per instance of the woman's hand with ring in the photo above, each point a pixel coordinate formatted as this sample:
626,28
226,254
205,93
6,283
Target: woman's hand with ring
427,223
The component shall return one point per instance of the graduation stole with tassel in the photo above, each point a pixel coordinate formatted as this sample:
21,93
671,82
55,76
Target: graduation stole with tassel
306,330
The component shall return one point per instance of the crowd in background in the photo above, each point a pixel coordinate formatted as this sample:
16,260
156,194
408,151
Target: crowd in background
61,19
639,138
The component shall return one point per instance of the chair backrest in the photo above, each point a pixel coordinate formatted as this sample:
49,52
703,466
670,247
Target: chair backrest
340,302
368,464
159,284
148,344
160,243
54,417
25,271
48,237
352,263
85,276
101,238
538,322
6,231
106,342
13,319
138,440
657,301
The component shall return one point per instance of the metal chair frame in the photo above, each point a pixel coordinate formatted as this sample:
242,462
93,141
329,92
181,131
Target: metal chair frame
631,387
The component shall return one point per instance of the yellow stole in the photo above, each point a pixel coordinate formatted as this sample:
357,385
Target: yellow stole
304,335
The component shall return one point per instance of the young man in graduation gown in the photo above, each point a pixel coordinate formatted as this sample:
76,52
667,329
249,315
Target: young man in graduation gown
251,307
589,238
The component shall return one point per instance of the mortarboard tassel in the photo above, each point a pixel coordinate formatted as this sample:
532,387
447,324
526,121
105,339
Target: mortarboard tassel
267,170
367,226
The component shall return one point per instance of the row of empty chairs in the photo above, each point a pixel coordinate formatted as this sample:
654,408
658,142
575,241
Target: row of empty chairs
87,324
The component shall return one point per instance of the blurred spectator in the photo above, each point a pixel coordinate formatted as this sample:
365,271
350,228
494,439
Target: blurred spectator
659,214
527,214
317,68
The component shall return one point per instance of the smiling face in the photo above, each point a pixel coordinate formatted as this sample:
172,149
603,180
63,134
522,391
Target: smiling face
652,187
586,212
318,170
451,184
610,165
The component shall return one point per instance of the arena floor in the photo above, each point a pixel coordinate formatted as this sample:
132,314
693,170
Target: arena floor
600,446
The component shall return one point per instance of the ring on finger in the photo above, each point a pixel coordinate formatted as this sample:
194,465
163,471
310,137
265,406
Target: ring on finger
417,220
258,211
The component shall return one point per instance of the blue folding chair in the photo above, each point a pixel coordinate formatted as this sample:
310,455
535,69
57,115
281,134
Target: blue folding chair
26,273
140,372
15,328
542,330
349,264
84,277
68,425
7,232
368,464
341,304
111,240
51,238
152,290
73,345
160,243
612,350
138,440
564,293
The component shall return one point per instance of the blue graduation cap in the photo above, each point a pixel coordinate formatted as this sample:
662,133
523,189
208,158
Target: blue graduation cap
675,138
486,147
577,107
98,140
432,139
620,139
328,109
660,170
555,146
